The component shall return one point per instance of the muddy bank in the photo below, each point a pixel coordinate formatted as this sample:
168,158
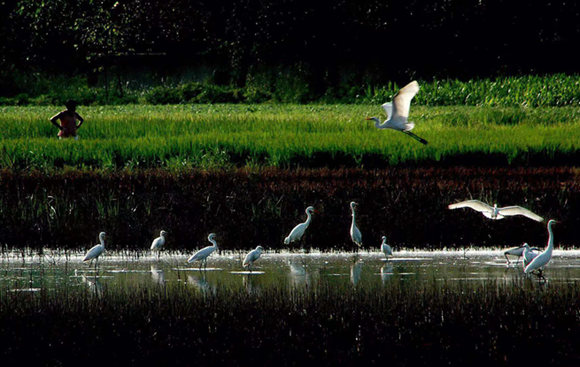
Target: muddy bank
247,208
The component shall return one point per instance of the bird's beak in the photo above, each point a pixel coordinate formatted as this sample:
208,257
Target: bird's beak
368,118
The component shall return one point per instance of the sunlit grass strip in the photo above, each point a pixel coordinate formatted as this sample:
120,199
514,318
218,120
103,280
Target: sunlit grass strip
282,136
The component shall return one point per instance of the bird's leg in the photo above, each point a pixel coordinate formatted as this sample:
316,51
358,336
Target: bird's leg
507,258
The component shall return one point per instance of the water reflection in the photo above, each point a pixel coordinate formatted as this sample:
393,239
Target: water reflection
158,275
93,283
386,272
276,270
356,271
200,282
298,275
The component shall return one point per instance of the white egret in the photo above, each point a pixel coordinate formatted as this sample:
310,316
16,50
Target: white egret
528,255
517,251
355,234
495,212
203,254
96,251
385,248
297,232
543,258
252,256
398,112
159,242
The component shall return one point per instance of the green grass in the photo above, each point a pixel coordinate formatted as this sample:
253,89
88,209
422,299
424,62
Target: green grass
287,87
186,136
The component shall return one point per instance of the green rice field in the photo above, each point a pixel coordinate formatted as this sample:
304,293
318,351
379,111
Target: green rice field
179,137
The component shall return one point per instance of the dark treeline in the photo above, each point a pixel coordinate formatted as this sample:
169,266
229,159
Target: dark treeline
246,209
326,42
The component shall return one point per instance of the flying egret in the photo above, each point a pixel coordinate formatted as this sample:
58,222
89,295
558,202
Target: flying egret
96,251
398,112
355,234
495,212
385,248
202,254
158,242
298,231
517,251
252,256
544,257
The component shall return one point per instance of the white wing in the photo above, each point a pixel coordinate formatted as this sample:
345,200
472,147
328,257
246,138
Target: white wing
518,210
296,233
402,102
356,235
94,252
388,107
251,257
157,243
201,254
473,204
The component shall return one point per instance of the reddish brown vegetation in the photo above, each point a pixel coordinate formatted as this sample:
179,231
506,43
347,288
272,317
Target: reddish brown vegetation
247,208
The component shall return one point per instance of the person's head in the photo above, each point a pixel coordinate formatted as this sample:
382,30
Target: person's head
71,105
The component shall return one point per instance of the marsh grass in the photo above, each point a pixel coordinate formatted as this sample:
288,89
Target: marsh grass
402,323
288,136
249,207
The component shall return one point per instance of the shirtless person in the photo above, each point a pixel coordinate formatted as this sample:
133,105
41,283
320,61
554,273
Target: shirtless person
68,121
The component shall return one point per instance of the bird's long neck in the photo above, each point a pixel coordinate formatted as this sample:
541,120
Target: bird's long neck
384,242
308,218
213,242
377,122
353,217
102,240
550,239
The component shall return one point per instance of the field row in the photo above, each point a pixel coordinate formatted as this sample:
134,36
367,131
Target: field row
209,136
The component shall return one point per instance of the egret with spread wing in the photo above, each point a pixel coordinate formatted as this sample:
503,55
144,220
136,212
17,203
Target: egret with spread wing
495,212
398,112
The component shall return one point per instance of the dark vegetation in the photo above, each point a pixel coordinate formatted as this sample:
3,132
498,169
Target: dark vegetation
259,207
292,51
402,323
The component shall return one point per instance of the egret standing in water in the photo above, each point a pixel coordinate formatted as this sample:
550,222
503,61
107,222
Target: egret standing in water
495,212
298,231
158,243
398,112
252,256
528,255
203,254
543,258
355,234
517,251
386,249
96,251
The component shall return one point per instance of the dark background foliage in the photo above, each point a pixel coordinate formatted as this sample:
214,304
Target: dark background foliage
325,40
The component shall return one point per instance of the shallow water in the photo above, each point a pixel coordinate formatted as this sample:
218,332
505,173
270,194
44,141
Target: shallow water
368,269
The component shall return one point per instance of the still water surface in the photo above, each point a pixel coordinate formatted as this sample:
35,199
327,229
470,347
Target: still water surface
366,269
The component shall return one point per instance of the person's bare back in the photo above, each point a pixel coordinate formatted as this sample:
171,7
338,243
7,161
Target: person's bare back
68,121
